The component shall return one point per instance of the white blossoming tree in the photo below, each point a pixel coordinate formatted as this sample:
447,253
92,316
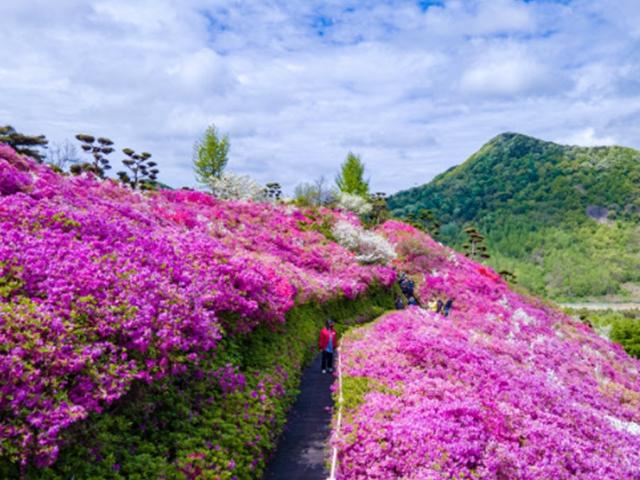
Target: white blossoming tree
368,246
230,186
353,203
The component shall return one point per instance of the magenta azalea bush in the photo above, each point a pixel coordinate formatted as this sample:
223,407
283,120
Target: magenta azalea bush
506,387
101,287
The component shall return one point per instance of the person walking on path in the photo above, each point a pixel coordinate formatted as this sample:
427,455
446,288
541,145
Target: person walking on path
328,343
399,303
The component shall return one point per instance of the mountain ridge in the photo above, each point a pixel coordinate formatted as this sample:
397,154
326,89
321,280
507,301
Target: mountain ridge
534,199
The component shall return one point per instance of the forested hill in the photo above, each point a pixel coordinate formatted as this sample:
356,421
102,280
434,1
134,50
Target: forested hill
563,218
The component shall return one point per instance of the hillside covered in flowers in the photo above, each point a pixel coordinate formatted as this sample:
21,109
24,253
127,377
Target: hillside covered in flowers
162,335
163,299
505,387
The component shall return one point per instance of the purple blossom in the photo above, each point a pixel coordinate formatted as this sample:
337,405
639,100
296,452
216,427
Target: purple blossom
505,387
101,286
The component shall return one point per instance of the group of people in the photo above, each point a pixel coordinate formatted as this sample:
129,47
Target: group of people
406,286
328,339
439,305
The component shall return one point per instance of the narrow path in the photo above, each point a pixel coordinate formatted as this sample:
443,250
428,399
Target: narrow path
301,452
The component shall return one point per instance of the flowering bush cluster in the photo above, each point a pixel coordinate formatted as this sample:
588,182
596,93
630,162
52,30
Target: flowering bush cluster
506,387
369,246
231,186
101,287
353,203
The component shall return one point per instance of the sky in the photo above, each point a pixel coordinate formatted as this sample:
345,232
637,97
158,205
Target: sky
413,87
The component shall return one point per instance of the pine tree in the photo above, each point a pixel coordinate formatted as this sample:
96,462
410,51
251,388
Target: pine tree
29,145
98,149
273,191
210,155
379,209
143,174
426,221
475,247
351,177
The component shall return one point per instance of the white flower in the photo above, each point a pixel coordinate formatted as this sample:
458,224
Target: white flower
353,203
369,247
237,187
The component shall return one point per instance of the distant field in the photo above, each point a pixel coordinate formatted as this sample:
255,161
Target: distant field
618,307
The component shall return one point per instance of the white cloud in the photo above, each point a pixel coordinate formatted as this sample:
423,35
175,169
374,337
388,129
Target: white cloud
587,138
298,83
505,73
202,72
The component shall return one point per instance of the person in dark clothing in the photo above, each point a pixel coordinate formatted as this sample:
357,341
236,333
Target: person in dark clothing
447,307
412,301
399,303
439,306
407,287
328,343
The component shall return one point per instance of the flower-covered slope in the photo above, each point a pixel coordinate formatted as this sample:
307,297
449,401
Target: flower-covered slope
504,388
101,286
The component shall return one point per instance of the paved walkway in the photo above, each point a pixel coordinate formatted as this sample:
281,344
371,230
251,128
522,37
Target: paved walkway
301,452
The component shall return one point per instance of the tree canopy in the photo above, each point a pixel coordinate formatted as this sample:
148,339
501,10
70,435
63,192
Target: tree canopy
210,155
29,145
351,176
562,218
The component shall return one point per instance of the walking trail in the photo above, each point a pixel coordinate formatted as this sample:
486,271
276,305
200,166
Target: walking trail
301,451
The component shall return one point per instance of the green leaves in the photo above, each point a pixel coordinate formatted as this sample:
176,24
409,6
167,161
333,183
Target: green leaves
210,155
351,176
531,199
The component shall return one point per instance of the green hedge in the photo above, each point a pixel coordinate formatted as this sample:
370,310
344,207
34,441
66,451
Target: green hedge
187,427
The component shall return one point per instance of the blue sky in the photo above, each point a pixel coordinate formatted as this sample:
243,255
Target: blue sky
414,87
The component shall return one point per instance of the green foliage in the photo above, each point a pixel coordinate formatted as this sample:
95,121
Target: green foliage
210,155
621,327
98,149
143,174
319,222
186,427
475,247
273,191
561,218
425,220
351,176
379,210
29,145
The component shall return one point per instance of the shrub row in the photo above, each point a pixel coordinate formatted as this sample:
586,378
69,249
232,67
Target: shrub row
220,421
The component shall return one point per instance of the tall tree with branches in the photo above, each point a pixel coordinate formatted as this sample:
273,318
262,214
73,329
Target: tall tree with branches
210,155
62,155
351,177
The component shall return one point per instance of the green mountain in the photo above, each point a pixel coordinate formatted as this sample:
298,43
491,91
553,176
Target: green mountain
563,218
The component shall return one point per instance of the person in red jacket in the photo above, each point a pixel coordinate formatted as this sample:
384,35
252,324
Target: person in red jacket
328,343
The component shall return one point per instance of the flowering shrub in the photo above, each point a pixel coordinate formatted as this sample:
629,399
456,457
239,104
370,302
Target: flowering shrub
368,246
506,387
230,186
102,288
353,203
218,420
